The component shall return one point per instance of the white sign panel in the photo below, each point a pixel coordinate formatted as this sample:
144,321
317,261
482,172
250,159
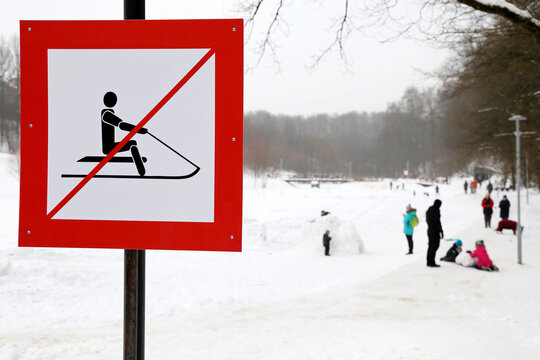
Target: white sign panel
166,171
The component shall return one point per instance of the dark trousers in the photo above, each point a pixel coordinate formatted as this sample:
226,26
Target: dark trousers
410,242
327,250
433,245
487,220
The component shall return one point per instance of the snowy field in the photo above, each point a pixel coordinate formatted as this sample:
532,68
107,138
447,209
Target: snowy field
281,298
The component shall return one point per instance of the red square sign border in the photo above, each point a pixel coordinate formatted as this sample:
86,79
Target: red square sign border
225,39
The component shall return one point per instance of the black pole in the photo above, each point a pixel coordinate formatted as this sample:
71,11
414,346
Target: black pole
134,10
134,260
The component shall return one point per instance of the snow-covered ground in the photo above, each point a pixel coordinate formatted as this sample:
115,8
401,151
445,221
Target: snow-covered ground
281,298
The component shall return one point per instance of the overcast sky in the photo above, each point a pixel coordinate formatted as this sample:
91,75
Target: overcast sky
379,72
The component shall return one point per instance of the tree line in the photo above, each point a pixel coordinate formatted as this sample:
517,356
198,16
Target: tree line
358,144
9,95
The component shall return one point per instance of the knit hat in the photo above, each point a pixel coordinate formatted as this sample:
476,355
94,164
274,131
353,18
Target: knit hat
408,206
458,243
327,232
479,243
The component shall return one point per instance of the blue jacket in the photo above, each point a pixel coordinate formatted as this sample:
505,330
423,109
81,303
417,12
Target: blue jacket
408,228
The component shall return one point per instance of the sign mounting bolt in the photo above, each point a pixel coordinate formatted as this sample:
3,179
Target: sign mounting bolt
30,125
233,29
28,232
233,139
29,29
232,237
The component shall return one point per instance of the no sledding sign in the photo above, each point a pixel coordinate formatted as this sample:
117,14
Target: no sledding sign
131,134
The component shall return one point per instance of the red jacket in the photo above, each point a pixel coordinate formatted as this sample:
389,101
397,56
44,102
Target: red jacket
483,257
489,203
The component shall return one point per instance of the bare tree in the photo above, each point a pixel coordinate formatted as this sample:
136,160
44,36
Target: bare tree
440,21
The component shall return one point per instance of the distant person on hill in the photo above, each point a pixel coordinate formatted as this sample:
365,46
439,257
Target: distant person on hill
326,242
465,186
453,252
434,232
474,185
484,262
487,205
410,220
504,205
324,212
489,187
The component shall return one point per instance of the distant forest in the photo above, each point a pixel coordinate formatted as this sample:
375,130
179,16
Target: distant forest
352,144
432,132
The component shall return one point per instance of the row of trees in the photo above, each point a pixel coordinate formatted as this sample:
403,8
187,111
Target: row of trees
495,74
9,95
358,144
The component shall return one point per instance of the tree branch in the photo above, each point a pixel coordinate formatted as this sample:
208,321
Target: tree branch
341,34
507,10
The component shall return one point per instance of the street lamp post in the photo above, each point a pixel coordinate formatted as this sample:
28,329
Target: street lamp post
517,119
527,176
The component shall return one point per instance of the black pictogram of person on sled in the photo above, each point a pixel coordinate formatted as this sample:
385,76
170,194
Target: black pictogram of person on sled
109,123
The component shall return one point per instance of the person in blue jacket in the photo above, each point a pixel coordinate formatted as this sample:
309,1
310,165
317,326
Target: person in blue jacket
408,228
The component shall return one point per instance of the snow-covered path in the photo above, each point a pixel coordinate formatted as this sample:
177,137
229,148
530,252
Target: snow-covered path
281,298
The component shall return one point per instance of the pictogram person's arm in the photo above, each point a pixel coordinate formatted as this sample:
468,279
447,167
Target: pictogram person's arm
111,119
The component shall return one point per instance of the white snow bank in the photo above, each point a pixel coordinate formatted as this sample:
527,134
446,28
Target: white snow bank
5,265
345,238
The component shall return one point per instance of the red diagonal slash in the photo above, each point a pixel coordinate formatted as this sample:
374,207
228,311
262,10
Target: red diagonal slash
132,133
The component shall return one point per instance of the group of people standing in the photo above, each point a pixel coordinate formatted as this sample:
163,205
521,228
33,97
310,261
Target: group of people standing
487,205
473,186
435,231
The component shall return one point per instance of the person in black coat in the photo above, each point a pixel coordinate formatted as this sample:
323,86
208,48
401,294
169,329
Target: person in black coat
326,242
504,205
435,231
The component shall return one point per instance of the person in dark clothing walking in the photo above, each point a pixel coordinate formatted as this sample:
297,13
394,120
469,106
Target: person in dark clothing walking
434,232
487,204
465,186
326,242
489,187
504,205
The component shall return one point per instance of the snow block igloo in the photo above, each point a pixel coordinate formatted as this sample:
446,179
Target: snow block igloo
345,238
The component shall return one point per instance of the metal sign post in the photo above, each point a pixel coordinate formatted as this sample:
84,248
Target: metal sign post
134,260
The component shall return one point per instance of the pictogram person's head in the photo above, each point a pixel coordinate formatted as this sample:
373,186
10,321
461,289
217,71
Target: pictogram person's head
109,99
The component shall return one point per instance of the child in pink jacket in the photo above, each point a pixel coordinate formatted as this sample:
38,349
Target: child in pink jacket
484,262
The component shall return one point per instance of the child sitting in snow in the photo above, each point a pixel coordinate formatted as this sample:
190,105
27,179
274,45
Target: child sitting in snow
484,262
453,252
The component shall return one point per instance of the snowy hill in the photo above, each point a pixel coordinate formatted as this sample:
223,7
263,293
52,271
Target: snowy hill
281,298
